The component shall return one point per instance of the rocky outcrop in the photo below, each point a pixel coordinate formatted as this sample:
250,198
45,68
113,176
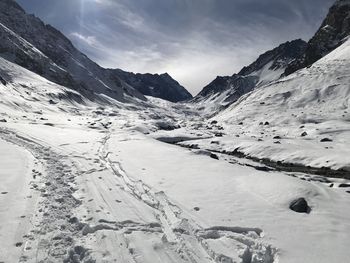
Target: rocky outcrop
332,33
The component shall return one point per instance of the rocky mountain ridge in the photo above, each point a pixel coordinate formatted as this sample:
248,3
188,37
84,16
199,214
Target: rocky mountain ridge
267,68
155,85
332,33
28,42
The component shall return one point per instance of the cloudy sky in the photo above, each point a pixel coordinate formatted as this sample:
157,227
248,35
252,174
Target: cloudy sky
193,40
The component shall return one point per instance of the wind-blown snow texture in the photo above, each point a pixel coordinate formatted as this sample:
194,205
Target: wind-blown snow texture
106,180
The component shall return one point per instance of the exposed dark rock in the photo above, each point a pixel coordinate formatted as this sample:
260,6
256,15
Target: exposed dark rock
277,137
214,156
326,140
344,185
300,205
167,126
303,134
49,124
193,146
3,82
3,120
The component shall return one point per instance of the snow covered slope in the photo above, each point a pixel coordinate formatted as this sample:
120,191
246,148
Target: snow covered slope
307,113
97,187
267,68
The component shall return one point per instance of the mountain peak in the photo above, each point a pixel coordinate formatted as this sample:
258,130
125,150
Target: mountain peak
331,34
11,4
267,68
157,85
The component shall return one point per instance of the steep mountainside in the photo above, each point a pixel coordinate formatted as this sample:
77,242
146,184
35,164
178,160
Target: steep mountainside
161,86
267,68
27,41
302,118
332,33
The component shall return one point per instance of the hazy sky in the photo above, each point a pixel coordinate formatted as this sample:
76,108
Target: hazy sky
192,40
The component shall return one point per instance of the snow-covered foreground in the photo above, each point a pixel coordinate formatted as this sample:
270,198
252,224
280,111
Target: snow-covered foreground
98,183
17,200
117,195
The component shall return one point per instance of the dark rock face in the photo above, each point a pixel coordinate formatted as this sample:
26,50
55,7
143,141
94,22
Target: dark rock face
3,81
250,77
280,56
330,35
160,86
300,206
326,140
214,156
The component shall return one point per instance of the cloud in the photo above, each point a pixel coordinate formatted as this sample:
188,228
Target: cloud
193,40
89,40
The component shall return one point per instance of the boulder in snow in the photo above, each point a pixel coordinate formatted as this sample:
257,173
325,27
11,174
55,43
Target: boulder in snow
300,205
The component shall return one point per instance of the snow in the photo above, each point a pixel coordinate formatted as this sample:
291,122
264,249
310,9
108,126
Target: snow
106,187
17,200
314,100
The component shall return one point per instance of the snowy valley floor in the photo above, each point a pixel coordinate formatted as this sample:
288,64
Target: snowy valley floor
105,186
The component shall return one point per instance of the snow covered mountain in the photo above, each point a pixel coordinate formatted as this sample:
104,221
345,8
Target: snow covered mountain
27,41
267,68
161,86
88,177
331,34
309,107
